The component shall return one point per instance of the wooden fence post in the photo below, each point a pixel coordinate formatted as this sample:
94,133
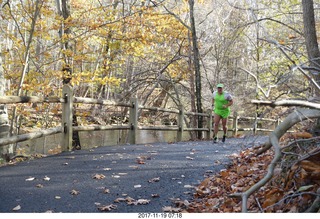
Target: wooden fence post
235,124
180,123
209,124
67,95
133,120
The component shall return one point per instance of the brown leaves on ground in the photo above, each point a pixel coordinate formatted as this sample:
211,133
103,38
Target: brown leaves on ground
142,159
74,192
107,207
292,188
98,176
131,201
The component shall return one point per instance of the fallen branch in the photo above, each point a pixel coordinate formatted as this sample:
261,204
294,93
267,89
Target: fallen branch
295,117
315,205
298,115
300,103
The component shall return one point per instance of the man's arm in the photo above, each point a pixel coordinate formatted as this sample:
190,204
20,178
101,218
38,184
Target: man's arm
228,104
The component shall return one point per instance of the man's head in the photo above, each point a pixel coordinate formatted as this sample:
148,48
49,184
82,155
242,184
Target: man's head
220,88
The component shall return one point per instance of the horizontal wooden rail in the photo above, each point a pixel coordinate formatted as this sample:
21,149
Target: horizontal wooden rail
258,118
159,128
196,129
29,99
29,136
196,114
159,109
98,128
67,128
99,101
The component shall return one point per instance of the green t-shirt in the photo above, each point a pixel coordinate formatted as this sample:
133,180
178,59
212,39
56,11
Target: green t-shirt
219,101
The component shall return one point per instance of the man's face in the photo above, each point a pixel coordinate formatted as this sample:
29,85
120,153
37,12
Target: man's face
219,90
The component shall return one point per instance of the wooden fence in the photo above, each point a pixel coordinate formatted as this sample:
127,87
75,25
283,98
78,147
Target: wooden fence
67,127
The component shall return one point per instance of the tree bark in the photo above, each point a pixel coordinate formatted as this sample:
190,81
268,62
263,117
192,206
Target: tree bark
311,42
310,34
196,62
4,120
63,7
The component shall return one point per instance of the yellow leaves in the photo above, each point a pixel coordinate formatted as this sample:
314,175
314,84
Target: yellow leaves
272,197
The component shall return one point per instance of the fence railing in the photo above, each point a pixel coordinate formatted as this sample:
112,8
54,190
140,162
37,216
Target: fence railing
67,100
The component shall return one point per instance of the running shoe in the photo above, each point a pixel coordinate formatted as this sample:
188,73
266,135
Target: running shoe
215,140
224,138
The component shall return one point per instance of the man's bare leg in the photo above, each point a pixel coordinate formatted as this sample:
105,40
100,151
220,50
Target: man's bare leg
216,121
225,128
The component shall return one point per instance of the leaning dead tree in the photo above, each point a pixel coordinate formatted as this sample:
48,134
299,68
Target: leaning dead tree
298,115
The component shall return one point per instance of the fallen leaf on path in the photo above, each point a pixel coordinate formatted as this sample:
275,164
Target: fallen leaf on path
139,202
171,209
105,191
30,179
107,207
74,192
129,199
46,178
140,161
98,176
39,186
134,167
17,208
119,200
181,203
157,179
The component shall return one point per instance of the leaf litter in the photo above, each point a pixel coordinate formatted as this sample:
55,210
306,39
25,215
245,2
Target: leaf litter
291,189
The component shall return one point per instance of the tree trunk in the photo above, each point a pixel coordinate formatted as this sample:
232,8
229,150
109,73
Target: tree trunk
310,34
5,151
63,7
196,63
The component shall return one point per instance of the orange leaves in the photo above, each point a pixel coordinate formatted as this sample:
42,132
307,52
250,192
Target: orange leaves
272,197
294,136
307,171
213,194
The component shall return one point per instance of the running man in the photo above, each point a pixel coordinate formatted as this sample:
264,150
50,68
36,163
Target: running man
221,102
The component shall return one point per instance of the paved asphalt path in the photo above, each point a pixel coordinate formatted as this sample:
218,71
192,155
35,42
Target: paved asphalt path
148,173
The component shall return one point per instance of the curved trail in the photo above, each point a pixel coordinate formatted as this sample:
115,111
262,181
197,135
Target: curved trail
148,176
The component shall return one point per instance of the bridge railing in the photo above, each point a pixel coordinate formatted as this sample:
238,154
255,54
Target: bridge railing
68,100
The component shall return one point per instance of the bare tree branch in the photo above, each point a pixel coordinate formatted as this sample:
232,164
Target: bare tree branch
295,117
300,103
265,93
